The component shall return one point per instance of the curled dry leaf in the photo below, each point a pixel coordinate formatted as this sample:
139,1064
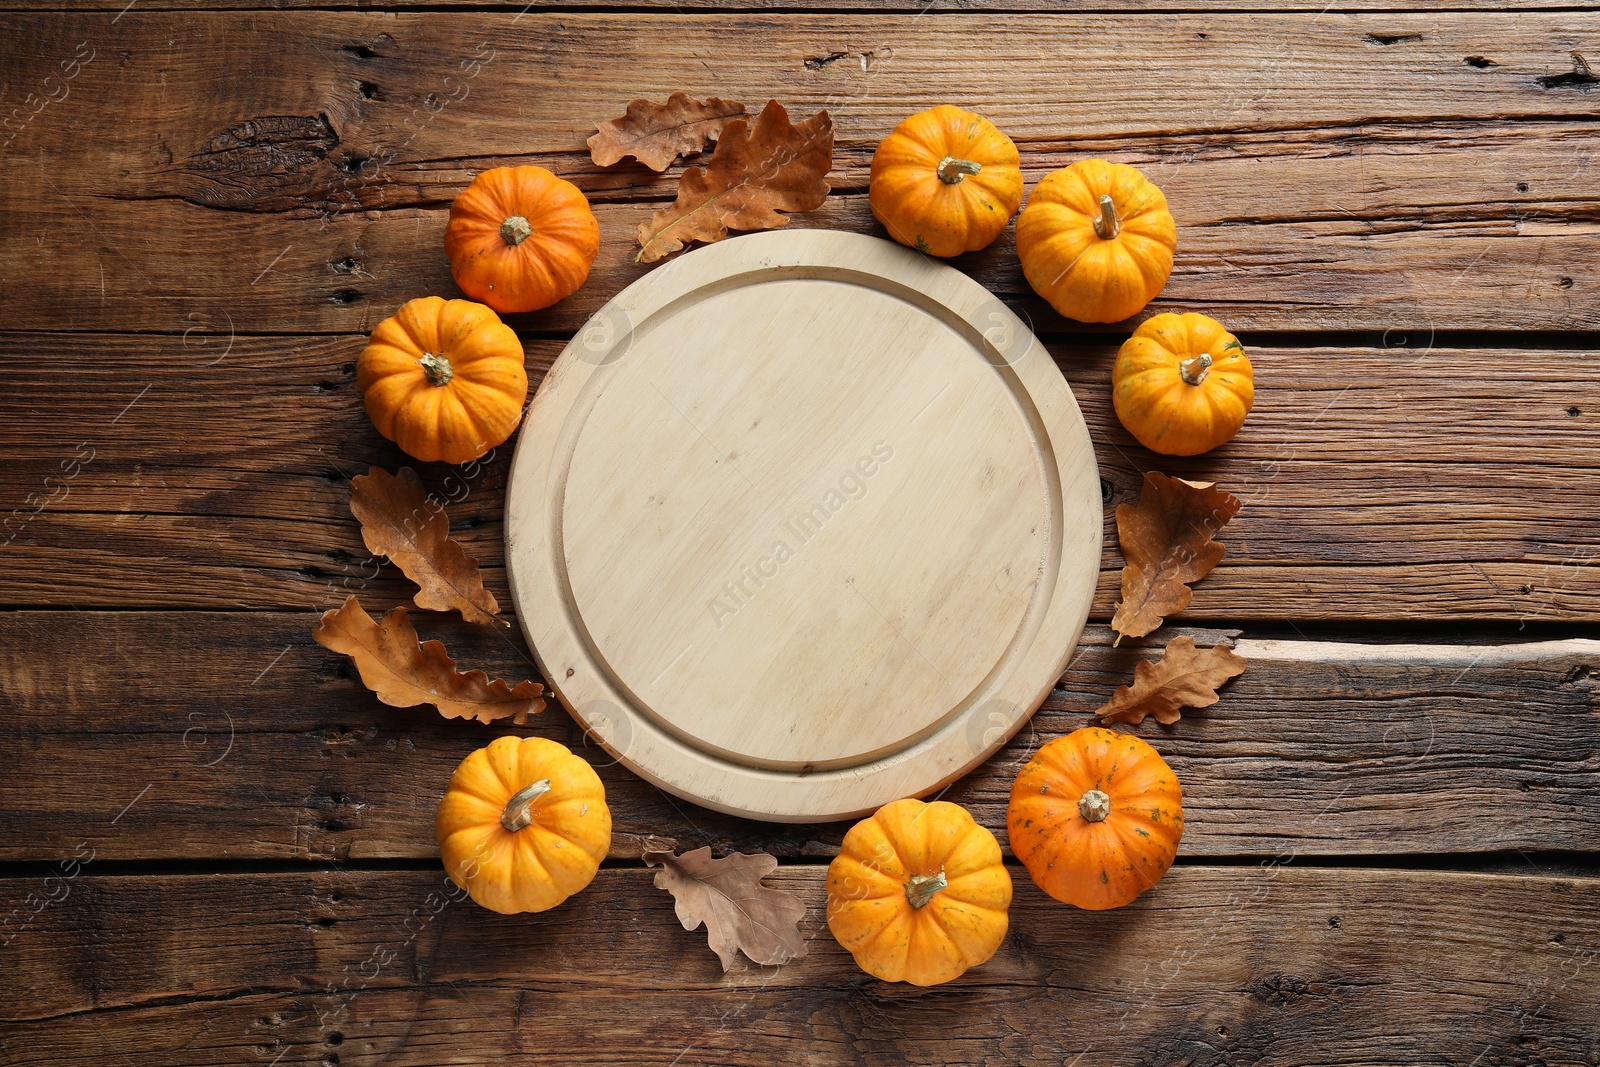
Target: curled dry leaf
657,134
1167,541
740,913
404,672
399,520
757,171
1184,677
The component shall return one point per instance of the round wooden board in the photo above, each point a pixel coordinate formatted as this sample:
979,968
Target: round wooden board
801,523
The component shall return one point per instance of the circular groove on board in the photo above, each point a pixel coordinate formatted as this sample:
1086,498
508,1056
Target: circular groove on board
803,522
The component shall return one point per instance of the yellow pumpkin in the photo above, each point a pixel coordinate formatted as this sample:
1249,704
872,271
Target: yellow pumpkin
1096,817
1096,240
523,825
443,379
918,893
946,181
1182,384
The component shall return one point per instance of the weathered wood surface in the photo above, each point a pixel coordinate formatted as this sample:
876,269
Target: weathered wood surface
199,735
878,7
213,472
1214,966
199,224
1323,179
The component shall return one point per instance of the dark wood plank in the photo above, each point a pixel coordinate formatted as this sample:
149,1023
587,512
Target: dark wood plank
210,735
209,471
1322,178
979,8
1216,965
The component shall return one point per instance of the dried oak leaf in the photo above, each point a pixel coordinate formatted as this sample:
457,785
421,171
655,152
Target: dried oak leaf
400,521
757,171
1184,677
404,672
1167,541
657,134
740,913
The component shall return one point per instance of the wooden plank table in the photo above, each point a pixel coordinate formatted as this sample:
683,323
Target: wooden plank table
217,848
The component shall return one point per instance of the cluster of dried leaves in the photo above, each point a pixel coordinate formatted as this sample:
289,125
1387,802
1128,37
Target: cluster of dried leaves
757,170
399,520
1169,541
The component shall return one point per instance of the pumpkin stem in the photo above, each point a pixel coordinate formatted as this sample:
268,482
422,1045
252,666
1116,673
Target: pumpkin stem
437,368
519,809
1107,225
1194,370
515,230
1094,806
920,888
952,170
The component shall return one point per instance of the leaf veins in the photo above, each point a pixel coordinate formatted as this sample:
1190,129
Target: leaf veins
657,134
756,172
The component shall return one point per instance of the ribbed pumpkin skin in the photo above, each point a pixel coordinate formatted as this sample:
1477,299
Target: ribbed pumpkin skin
547,861
1166,413
1096,865
922,210
869,913
464,418
547,265
1085,276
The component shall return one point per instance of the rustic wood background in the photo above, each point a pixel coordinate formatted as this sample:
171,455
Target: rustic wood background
217,848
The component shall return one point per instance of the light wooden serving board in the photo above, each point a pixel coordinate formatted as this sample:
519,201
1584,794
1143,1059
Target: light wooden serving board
801,523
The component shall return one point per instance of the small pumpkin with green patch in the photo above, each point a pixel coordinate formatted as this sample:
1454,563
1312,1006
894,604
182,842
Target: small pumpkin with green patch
1096,817
1182,384
946,181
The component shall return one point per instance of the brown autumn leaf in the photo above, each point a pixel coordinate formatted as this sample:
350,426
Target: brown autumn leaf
1184,677
400,521
404,672
741,914
756,171
1167,541
657,134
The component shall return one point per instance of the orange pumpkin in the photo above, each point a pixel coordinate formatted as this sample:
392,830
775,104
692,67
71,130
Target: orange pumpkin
946,181
1096,816
443,379
918,893
523,824
520,238
1096,240
1182,384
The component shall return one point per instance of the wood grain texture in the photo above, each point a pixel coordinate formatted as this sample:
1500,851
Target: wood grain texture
815,526
1321,178
735,8
199,225
218,735
1261,965
1377,483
